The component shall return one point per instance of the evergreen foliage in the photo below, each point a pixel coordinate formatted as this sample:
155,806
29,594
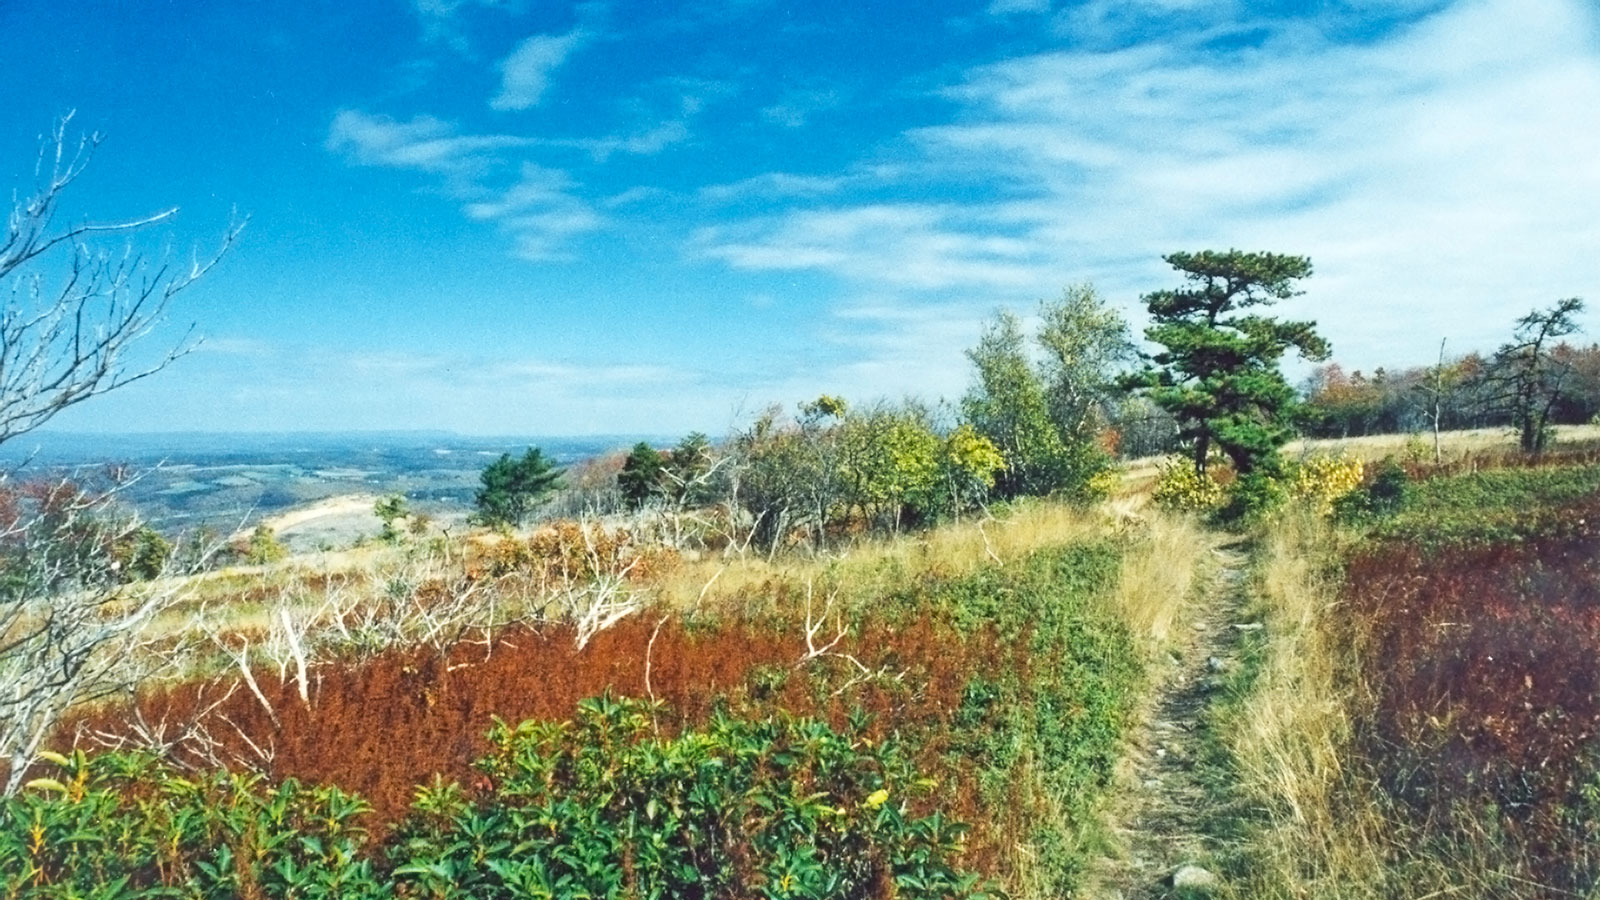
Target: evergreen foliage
685,471
1529,377
640,477
1219,375
513,488
390,510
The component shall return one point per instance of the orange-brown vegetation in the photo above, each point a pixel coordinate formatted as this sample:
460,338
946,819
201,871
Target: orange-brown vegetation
387,725
567,552
1487,713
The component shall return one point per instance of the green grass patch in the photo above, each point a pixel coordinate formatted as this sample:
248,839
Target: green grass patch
1490,507
1044,738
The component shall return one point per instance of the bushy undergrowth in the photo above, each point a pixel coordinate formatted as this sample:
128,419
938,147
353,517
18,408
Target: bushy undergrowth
1321,482
127,825
1180,487
1008,685
599,807
1427,722
1041,738
1318,482
1486,727
605,807
1490,507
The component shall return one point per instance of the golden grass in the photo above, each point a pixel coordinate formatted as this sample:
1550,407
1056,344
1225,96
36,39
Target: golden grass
875,565
1454,445
1160,571
1140,473
1289,735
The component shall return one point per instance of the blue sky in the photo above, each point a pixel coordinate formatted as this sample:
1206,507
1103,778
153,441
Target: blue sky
619,217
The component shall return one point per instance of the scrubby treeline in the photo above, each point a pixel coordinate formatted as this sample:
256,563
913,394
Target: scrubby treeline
1039,419
1533,382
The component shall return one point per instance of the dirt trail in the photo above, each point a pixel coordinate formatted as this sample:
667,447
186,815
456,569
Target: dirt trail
1158,817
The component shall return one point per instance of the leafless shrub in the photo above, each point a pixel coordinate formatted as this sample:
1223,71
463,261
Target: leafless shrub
68,625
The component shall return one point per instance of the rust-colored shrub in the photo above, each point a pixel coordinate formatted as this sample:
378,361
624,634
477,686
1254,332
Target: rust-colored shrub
1488,694
386,725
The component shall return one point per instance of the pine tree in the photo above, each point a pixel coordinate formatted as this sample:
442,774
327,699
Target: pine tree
1219,375
513,488
1527,378
640,478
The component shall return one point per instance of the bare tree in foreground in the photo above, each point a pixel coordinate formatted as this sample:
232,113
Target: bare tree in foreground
71,313
63,340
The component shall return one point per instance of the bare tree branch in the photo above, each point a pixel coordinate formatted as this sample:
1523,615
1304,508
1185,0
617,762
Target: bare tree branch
63,339
69,622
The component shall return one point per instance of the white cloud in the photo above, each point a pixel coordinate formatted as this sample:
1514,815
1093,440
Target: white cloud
775,184
525,74
914,246
643,143
541,212
440,19
636,194
1009,7
798,106
328,387
1444,176
423,143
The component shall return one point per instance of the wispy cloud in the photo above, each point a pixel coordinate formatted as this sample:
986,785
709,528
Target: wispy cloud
660,122
647,142
771,185
423,143
797,107
541,212
1445,172
440,19
334,388
1010,7
525,74
918,246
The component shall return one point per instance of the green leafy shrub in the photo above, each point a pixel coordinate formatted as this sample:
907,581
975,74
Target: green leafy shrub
142,554
1389,487
1253,497
603,806
125,825
264,547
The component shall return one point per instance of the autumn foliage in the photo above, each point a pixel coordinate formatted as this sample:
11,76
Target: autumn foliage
1487,714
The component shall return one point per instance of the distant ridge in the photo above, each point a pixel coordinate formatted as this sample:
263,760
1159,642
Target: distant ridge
46,447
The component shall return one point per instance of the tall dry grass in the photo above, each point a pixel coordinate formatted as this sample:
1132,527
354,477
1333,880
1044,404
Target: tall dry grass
1166,559
872,567
1453,445
1312,829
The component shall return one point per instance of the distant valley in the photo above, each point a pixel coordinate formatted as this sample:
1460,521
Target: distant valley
187,481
